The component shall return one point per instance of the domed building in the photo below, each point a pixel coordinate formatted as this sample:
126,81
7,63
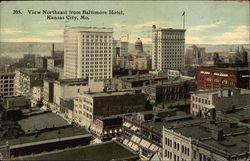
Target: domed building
138,46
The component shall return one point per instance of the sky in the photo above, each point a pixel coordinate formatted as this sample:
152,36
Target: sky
207,22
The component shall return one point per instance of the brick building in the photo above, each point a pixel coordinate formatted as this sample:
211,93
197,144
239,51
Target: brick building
217,77
106,128
90,105
168,90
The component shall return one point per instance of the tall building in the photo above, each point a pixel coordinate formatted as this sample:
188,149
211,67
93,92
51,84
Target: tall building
7,84
194,56
120,48
168,48
27,78
138,46
88,53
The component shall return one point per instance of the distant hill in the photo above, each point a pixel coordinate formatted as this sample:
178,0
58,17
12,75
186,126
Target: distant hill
28,46
19,48
209,48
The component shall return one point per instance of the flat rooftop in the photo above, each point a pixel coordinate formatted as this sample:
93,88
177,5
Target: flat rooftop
102,152
106,94
169,29
12,98
204,130
170,82
69,131
239,115
42,121
33,71
228,68
231,144
169,118
205,94
69,81
140,77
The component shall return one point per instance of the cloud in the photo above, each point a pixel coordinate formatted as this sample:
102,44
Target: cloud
137,26
193,40
31,39
10,31
54,32
202,28
238,35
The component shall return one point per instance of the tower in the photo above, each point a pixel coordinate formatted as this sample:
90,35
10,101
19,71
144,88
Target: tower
88,53
168,48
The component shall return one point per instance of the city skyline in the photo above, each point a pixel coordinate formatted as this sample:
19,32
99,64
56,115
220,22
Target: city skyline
221,26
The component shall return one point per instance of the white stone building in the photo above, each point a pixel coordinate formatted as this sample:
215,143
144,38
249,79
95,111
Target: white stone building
168,48
37,96
88,53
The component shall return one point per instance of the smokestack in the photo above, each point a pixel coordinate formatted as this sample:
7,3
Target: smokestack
217,133
216,57
53,50
245,57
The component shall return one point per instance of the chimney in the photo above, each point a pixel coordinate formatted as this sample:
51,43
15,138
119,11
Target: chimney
213,113
217,133
53,50
245,57
230,92
216,58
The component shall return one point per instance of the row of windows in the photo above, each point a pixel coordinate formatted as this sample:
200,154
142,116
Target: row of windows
86,100
5,90
96,59
97,40
6,81
85,107
7,85
96,66
95,55
184,149
84,114
199,107
7,77
6,94
98,78
96,47
101,51
222,81
97,74
95,36
96,62
201,100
